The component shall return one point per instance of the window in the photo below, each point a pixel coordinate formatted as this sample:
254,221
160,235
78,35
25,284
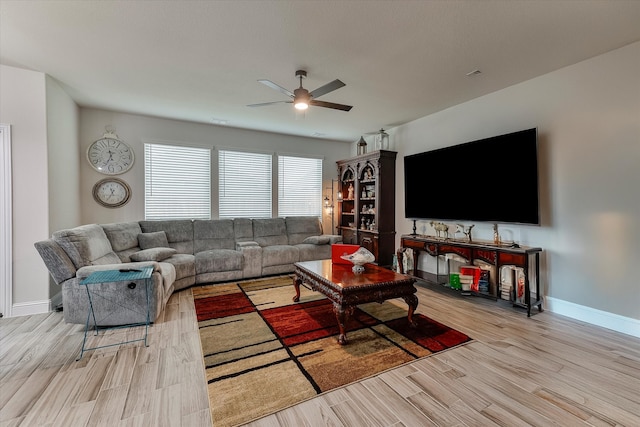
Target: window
299,186
244,184
177,182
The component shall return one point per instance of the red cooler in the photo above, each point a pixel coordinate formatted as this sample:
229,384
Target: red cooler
340,249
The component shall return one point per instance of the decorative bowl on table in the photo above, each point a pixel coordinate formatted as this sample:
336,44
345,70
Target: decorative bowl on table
359,258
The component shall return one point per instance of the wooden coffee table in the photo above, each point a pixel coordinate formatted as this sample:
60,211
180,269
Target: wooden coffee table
347,290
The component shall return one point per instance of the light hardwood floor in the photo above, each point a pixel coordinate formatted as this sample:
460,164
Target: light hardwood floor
544,370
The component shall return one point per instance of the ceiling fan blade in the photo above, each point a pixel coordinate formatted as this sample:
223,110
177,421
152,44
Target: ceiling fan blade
269,103
279,88
330,105
329,87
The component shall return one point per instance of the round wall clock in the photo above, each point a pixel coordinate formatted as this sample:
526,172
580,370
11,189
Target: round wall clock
111,192
109,155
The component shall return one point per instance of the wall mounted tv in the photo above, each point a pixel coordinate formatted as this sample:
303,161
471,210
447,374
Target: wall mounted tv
493,179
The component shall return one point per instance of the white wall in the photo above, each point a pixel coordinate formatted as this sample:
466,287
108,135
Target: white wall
136,129
23,106
588,120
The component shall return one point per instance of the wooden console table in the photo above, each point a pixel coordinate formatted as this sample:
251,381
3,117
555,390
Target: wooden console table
496,255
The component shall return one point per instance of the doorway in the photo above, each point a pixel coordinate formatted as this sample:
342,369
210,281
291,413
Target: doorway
5,222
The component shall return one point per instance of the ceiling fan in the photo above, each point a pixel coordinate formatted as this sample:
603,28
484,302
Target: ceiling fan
302,98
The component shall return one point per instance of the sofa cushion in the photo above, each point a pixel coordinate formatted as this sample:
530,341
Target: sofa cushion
184,264
317,240
122,235
279,255
243,229
86,245
270,231
213,234
301,227
153,254
179,233
157,239
217,260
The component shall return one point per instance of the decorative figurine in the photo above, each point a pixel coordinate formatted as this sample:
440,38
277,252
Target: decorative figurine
465,230
441,229
350,192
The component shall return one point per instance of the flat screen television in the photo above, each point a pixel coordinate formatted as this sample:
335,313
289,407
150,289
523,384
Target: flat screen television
493,179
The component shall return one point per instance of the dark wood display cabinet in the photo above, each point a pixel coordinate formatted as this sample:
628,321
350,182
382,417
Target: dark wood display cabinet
367,214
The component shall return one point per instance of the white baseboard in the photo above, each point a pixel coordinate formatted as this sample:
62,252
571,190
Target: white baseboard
626,325
31,307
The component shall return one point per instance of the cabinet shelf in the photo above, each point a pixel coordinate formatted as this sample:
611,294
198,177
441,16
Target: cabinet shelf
371,175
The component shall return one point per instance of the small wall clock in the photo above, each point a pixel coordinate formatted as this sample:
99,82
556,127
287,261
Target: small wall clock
109,155
111,192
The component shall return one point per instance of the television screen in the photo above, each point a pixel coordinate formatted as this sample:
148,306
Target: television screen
493,179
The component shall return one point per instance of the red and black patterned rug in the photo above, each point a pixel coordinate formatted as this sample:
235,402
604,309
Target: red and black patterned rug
263,353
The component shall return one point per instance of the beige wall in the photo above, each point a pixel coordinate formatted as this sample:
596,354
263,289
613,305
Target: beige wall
23,106
136,130
588,120
63,161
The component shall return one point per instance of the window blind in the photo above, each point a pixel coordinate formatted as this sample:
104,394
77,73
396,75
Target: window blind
177,182
299,186
244,184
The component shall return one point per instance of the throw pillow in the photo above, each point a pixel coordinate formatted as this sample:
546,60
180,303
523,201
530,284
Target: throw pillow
157,239
153,254
317,240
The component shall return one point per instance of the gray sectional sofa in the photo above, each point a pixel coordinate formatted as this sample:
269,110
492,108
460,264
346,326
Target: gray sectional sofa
182,252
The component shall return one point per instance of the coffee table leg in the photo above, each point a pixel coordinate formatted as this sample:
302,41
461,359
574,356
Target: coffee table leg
342,315
412,302
296,284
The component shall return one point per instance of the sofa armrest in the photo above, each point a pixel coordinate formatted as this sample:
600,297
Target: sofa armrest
334,238
247,244
56,259
84,272
252,259
323,239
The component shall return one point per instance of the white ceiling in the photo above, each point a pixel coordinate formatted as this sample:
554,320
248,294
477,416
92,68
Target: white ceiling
400,60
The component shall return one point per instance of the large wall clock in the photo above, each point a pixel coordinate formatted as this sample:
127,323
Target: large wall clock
111,192
109,155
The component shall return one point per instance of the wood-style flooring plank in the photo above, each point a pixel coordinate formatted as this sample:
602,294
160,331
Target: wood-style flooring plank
26,396
165,409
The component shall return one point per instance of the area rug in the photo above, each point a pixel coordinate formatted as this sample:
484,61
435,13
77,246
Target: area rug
263,352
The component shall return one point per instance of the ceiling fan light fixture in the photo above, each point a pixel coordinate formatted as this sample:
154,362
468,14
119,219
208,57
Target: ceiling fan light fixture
301,98
301,105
